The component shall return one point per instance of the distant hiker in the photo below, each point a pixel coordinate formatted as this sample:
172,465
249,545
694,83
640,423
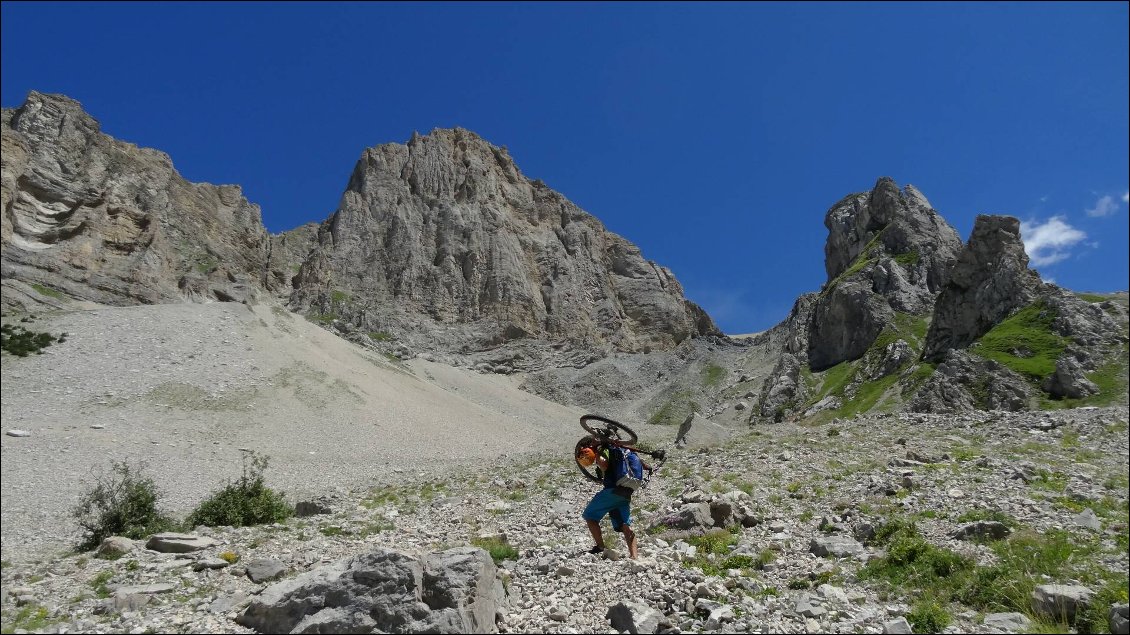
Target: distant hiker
623,473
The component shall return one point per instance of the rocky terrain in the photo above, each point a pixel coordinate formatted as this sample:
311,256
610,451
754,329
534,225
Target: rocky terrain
936,439
773,531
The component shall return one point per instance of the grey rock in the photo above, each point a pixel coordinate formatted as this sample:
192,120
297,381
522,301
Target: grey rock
1069,380
264,570
115,546
698,431
1089,520
210,563
144,589
1007,622
808,606
179,543
122,602
454,591
964,382
312,507
633,617
18,433
897,627
836,545
983,529
1061,601
690,515
229,603
1119,618
782,388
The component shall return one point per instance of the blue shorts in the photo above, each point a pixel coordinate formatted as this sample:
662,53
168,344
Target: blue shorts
608,502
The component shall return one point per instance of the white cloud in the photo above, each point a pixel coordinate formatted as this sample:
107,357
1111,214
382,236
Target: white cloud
1049,242
1105,206
1126,197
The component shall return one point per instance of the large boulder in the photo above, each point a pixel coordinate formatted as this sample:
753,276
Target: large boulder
453,591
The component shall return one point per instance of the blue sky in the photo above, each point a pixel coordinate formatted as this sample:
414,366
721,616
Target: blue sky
714,136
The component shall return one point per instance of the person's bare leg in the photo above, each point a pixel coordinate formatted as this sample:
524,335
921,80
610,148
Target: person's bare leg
630,539
594,529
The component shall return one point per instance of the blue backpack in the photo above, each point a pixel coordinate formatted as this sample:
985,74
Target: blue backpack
627,471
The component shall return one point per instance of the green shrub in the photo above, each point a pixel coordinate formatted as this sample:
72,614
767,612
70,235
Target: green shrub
928,616
21,342
245,502
123,503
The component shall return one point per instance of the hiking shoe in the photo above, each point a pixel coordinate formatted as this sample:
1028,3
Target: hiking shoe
596,549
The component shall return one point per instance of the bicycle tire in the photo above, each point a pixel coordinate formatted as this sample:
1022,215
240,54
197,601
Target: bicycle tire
613,429
595,474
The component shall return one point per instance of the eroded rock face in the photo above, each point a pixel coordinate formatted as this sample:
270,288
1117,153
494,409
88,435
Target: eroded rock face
989,281
887,251
444,240
103,220
964,382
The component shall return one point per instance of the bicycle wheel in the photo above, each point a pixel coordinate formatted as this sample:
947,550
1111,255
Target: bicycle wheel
601,427
592,472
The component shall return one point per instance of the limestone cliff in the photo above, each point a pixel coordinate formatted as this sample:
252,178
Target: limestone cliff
444,242
94,218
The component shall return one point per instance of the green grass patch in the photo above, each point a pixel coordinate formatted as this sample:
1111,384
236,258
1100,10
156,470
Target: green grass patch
99,583
1093,298
928,615
908,258
676,409
994,515
380,336
712,375
1024,342
48,291
834,380
934,577
499,549
339,297
322,318
28,619
867,396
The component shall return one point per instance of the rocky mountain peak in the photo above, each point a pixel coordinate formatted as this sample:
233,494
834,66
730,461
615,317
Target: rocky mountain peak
887,252
444,242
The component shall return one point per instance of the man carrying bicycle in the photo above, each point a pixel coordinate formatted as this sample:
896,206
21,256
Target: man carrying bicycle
613,500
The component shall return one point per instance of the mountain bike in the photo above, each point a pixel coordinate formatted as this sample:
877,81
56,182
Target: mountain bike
606,432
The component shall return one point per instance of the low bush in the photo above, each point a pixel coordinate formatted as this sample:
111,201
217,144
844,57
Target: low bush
247,501
122,503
